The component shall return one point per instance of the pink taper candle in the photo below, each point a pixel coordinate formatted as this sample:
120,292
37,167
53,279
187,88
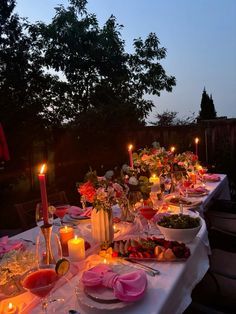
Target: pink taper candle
131,163
196,145
43,191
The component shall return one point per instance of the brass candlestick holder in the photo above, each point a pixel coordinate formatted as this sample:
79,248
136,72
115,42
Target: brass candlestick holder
47,233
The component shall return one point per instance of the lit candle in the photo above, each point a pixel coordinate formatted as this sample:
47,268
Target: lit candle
130,156
11,309
196,145
172,149
76,249
42,182
66,233
156,183
105,261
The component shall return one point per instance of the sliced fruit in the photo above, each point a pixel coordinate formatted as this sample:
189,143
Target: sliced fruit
62,266
169,255
158,249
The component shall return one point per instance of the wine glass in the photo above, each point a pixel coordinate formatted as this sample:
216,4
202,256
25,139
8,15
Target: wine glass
60,211
39,215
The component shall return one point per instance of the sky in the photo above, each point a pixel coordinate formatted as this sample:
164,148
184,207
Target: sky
199,35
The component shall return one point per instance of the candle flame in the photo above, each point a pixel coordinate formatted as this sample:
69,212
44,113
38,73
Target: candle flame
105,261
130,147
172,149
154,175
42,168
76,237
10,306
196,140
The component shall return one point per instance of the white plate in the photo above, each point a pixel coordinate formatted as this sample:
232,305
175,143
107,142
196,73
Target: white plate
190,203
105,297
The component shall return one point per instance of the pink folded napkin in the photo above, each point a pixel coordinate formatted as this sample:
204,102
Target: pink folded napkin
198,190
127,287
77,211
212,177
7,245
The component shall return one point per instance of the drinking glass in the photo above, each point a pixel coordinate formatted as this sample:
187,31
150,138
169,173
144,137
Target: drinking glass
60,211
148,213
39,215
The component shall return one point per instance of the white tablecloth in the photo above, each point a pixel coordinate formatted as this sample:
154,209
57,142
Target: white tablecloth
167,293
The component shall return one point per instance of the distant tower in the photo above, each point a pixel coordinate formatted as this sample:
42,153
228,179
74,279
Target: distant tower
207,111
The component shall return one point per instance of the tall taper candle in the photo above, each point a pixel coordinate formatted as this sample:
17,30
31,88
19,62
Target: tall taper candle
44,199
196,145
131,163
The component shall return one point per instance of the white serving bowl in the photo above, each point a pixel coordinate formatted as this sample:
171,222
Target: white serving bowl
180,235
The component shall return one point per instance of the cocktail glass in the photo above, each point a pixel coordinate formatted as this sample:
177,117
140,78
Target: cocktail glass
148,213
40,282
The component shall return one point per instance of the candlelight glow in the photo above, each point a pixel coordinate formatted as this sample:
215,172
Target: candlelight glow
172,149
10,306
76,237
130,147
105,261
196,140
42,168
154,176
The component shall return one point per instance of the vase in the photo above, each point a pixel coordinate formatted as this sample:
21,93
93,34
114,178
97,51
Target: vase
102,226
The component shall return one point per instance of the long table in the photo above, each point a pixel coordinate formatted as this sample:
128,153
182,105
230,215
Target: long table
167,293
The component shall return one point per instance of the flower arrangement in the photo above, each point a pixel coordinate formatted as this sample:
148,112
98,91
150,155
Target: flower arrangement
102,192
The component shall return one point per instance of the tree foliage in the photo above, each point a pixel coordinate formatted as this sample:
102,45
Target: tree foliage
170,118
207,107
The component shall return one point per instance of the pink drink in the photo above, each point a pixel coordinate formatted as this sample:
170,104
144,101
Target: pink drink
61,211
147,212
40,282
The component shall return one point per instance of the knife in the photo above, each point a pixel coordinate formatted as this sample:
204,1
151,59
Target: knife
155,271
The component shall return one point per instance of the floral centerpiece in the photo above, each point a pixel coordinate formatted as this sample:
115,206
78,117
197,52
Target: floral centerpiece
102,193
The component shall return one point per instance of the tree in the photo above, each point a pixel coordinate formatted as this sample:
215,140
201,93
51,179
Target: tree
169,118
207,107
105,85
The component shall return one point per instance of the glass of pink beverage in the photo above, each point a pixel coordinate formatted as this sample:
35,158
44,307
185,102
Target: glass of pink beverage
148,213
40,281
60,211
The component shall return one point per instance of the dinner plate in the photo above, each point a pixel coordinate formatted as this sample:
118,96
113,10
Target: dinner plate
192,194
175,201
102,298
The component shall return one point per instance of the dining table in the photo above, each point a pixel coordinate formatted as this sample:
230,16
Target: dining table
169,292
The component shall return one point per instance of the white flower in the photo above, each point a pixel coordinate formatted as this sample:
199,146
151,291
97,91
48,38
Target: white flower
133,181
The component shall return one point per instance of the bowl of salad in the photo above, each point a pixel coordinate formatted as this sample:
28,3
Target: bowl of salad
179,227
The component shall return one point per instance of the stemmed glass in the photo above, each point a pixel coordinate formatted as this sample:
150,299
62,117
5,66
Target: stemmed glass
148,213
60,211
40,281
39,215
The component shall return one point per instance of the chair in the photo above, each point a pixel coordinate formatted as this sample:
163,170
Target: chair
26,210
215,294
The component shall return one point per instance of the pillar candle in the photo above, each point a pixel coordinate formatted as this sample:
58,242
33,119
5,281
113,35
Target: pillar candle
76,249
66,233
156,183
42,182
131,163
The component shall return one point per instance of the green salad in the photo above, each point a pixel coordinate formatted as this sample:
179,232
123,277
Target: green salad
179,222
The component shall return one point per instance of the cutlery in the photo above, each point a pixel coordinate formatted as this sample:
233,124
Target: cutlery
155,271
138,266
27,240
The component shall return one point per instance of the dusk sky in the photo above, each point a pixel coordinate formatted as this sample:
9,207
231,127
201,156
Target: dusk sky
199,35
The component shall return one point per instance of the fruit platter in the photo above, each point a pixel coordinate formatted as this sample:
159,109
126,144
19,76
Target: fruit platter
151,248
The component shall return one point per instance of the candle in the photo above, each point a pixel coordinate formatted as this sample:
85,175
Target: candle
130,156
193,178
11,309
156,183
76,249
172,149
196,145
66,233
105,261
42,182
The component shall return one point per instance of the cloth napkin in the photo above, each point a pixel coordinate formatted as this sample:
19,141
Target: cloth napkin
77,211
7,245
212,177
198,190
127,287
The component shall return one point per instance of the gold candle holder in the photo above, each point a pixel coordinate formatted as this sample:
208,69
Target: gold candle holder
47,232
